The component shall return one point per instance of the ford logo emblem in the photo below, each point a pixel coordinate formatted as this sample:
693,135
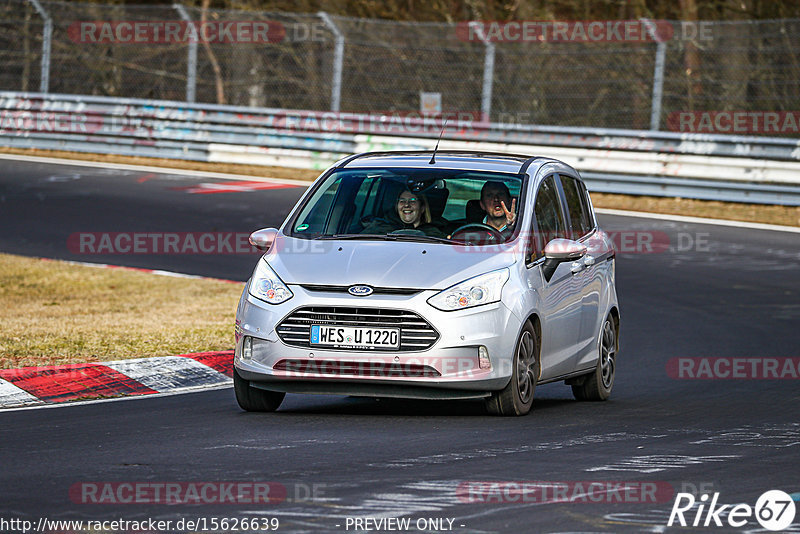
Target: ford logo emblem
360,291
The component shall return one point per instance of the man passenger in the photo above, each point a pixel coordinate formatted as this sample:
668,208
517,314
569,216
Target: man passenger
500,209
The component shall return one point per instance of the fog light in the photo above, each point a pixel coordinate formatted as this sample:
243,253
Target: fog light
247,348
483,358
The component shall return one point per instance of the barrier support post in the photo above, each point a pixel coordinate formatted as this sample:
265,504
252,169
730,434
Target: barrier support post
191,60
47,39
338,60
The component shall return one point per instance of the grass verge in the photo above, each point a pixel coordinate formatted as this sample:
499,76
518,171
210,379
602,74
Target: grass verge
53,313
783,215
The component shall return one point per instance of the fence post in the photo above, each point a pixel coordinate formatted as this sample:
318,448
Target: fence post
488,72
47,38
191,60
658,75
338,59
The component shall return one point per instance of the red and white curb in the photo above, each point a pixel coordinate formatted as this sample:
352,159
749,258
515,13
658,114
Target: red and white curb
54,384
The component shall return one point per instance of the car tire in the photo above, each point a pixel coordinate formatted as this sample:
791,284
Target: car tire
597,386
517,397
253,399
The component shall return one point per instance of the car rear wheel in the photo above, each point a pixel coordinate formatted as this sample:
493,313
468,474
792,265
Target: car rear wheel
597,386
517,397
254,399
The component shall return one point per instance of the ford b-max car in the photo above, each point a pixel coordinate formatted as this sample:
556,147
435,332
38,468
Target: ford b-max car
459,276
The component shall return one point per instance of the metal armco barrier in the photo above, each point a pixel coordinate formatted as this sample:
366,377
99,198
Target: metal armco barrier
727,168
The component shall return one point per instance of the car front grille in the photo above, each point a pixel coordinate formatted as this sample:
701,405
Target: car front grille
415,332
375,290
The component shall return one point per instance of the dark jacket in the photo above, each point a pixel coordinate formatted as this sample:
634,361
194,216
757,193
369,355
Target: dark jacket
391,223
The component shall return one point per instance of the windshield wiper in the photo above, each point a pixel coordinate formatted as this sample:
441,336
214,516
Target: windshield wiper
393,237
357,236
426,239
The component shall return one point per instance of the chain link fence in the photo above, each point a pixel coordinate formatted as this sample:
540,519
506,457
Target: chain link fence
319,62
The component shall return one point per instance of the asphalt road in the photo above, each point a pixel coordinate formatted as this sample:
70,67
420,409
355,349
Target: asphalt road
713,292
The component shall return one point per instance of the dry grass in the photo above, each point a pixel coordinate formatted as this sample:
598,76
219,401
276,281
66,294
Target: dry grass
55,313
784,215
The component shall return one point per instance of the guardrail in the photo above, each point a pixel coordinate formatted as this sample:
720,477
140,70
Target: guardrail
727,168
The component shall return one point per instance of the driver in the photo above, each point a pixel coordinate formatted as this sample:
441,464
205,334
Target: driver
495,201
411,213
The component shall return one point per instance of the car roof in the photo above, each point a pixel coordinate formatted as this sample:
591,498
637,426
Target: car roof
445,159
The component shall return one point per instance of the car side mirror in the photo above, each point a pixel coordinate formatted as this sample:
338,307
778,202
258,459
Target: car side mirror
558,251
263,239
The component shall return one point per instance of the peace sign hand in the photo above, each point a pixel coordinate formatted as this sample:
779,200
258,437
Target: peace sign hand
511,215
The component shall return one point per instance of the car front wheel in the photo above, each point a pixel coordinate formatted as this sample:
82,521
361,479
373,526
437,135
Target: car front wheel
517,397
597,386
253,399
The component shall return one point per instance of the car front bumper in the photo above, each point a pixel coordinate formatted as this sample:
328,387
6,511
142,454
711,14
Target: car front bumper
450,368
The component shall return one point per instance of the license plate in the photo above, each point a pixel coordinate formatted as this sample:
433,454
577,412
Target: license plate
355,337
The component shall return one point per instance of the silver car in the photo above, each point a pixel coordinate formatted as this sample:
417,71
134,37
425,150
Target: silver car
452,275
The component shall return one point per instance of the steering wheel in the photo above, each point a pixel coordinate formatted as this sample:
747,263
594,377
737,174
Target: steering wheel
407,231
478,227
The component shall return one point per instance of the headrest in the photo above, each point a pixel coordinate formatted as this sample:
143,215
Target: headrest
437,199
474,211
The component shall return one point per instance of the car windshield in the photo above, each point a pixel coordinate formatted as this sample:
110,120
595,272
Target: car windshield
443,205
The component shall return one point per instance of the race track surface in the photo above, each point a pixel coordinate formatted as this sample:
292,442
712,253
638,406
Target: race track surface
710,291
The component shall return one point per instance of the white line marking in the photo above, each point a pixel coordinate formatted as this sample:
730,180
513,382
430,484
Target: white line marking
498,451
11,395
777,437
699,220
656,463
148,168
169,373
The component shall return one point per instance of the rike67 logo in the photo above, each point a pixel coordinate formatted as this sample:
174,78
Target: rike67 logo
774,510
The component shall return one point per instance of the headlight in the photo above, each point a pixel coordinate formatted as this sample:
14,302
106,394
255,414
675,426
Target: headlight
266,285
476,291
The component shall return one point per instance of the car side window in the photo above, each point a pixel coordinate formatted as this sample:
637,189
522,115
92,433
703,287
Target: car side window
587,205
316,214
549,221
577,206
365,196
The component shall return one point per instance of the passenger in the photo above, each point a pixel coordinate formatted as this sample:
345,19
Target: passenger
495,201
411,212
